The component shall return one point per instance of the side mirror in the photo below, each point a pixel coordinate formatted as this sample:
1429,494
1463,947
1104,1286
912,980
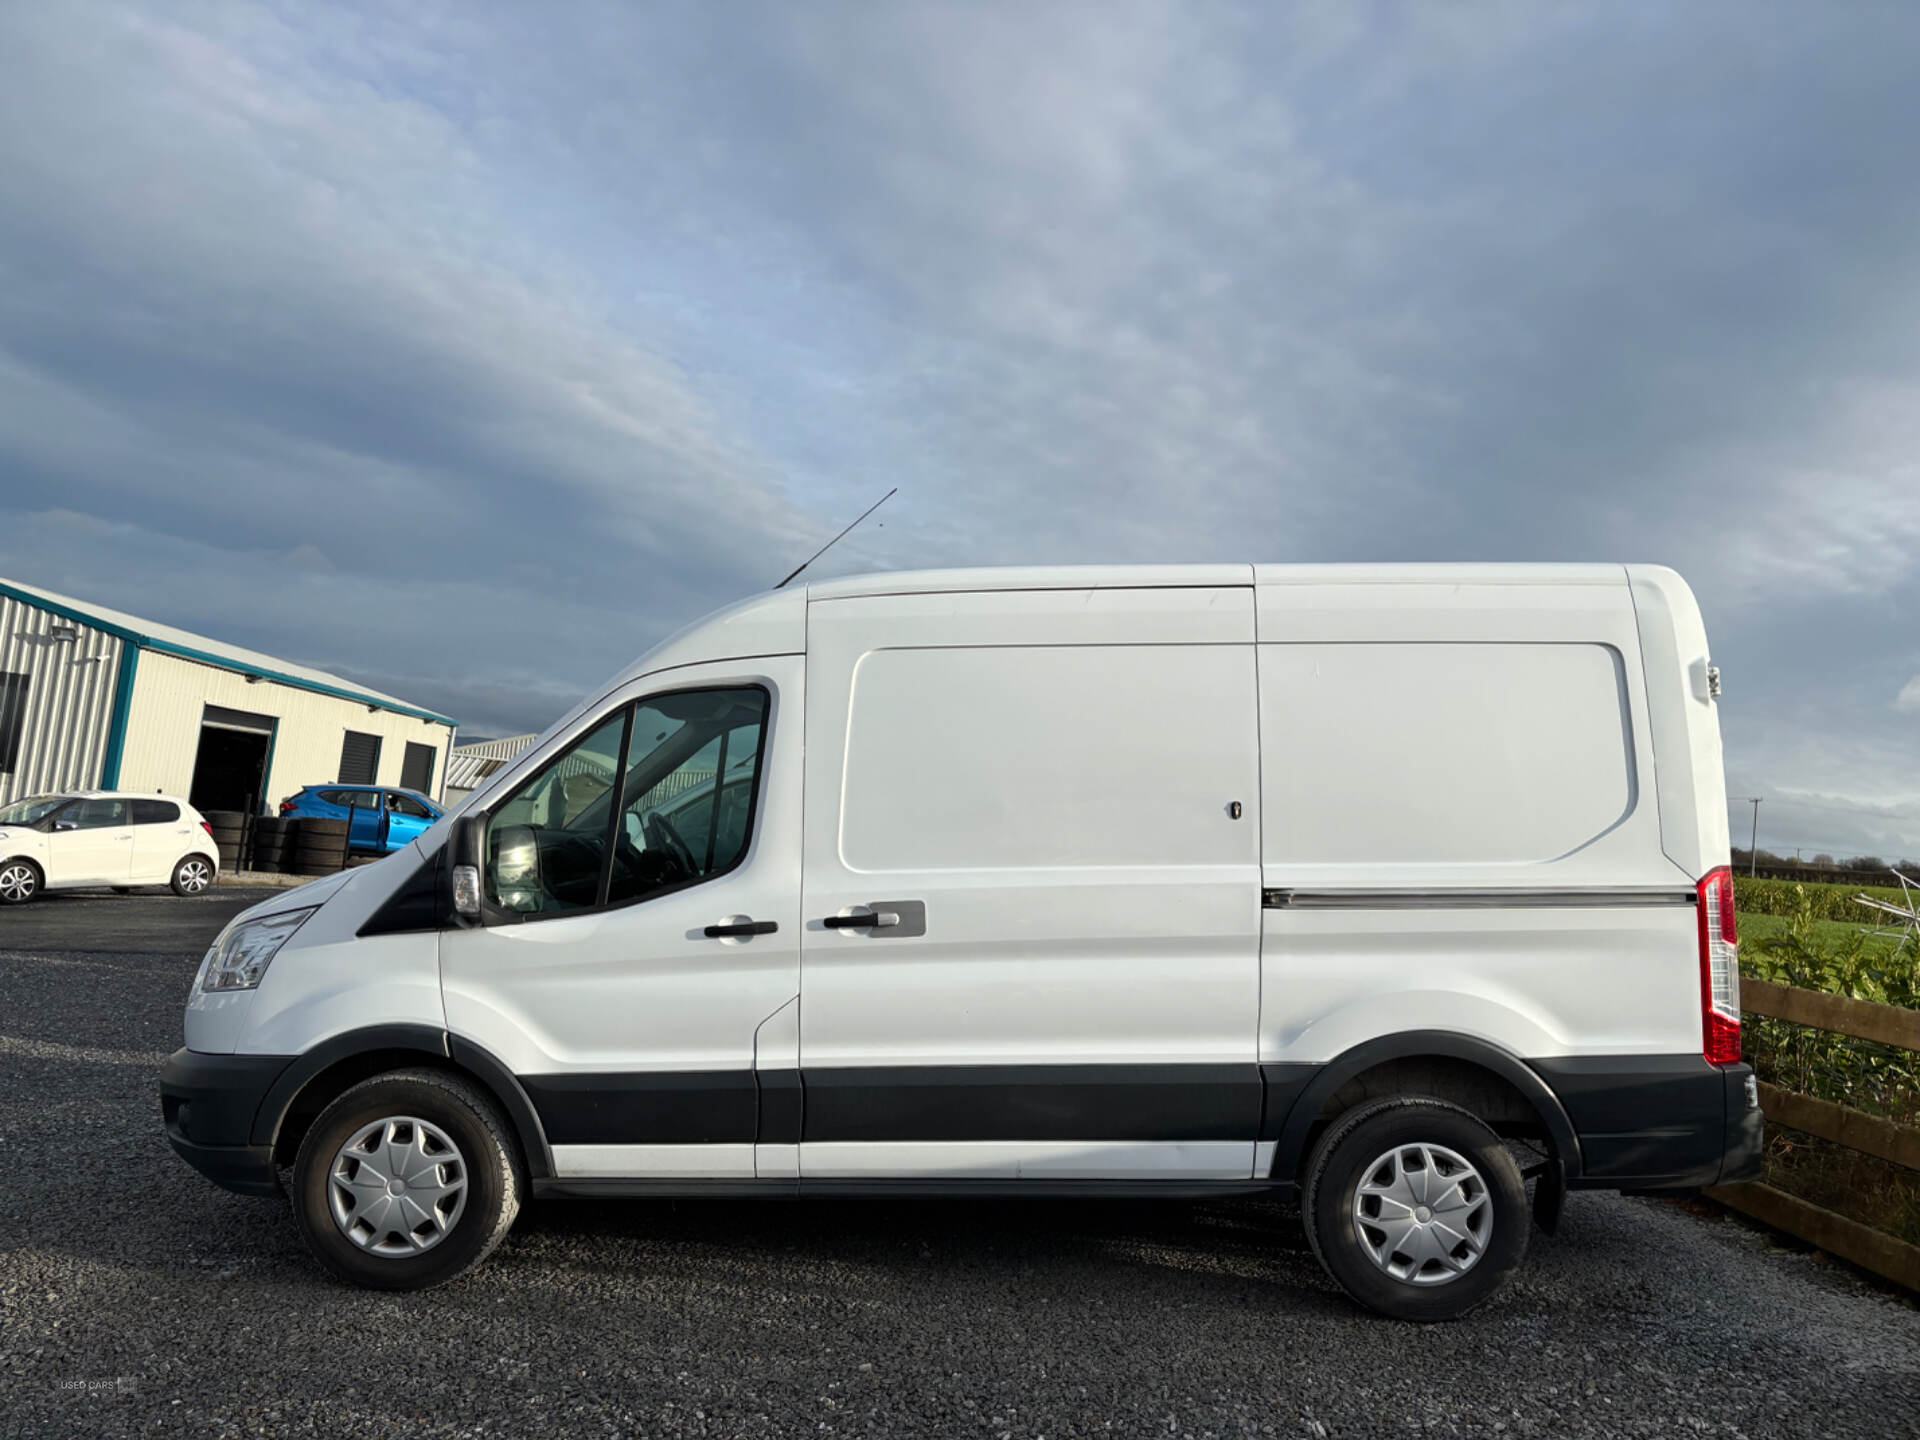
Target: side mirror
516,867
466,847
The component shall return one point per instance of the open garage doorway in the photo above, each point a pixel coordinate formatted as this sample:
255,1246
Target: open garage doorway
230,770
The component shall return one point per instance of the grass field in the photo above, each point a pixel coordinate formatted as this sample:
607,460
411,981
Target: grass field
1764,930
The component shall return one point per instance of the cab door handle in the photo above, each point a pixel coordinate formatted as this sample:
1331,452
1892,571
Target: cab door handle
741,927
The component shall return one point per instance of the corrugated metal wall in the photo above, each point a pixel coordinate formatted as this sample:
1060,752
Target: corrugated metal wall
171,694
69,699
468,765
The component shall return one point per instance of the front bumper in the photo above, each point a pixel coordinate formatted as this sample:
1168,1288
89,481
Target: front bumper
208,1104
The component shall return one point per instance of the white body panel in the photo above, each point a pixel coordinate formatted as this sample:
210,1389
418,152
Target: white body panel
328,979
160,845
98,855
1534,982
1686,727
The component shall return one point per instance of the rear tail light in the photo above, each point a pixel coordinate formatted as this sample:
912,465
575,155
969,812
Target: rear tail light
286,807
1719,969
208,828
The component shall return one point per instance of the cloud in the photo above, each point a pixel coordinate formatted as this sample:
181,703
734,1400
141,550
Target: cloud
1908,700
319,339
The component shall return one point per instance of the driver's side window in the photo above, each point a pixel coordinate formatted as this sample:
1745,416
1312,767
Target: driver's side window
630,812
547,842
687,748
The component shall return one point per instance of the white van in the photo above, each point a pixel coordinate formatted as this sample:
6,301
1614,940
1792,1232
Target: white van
1393,887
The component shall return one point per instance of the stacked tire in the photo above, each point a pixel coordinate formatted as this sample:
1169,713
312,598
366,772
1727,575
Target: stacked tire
314,847
268,851
228,827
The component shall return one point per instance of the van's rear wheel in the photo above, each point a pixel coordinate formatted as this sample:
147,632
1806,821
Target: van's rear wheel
1415,1207
406,1181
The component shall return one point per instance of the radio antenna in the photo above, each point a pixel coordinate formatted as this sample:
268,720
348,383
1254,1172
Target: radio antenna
838,538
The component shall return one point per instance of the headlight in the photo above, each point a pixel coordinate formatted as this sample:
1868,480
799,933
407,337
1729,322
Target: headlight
241,955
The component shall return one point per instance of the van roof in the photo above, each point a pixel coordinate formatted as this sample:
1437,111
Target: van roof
1097,577
774,622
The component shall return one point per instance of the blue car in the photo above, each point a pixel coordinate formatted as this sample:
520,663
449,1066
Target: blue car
384,819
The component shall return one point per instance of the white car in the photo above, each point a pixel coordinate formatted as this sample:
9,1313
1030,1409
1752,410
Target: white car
98,837
1397,889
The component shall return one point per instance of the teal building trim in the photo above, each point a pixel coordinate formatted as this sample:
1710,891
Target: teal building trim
122,714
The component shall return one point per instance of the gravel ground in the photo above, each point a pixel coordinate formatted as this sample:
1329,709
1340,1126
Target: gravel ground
136,1296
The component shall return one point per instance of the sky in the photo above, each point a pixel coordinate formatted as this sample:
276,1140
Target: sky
468,350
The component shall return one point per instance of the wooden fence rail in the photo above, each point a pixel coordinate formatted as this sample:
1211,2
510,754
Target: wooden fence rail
1842,1124
1862,1019
1885,1255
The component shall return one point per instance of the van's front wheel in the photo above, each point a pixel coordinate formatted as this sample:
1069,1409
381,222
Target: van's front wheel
1415,1207
406,1180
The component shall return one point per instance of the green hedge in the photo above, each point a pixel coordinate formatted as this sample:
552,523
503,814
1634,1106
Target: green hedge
1823,902
1881,1079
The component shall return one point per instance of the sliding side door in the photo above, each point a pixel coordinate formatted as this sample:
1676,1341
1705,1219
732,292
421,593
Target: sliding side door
1031,890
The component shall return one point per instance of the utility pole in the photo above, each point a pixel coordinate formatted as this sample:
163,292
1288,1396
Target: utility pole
1753,844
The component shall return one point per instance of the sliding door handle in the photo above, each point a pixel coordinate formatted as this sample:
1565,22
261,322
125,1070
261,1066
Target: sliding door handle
889,919
740,927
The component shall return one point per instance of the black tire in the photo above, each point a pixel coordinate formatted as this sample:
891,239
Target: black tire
187,881
269,846
318,829
20,881
1352,1146
487,1154
312,862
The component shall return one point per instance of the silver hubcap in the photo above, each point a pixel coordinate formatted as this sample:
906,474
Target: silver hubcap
194,876
16,882
397,1187
1423,1214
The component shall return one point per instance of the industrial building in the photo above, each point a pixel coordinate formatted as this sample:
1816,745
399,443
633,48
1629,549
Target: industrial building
469,765
94,699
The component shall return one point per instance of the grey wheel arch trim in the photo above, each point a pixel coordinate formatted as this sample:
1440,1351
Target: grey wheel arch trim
1290,1152
478,1064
